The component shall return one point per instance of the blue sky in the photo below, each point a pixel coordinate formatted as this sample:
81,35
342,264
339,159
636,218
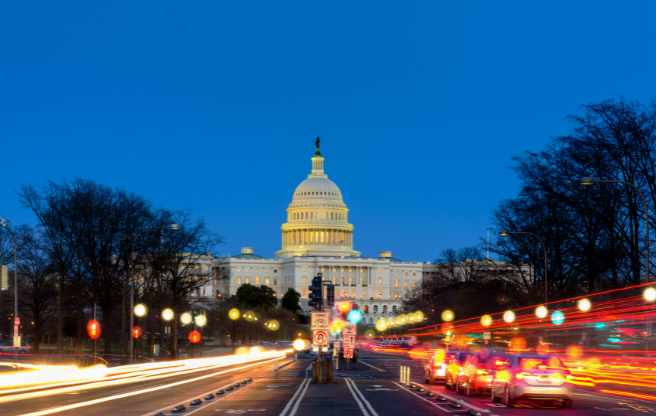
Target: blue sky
211,107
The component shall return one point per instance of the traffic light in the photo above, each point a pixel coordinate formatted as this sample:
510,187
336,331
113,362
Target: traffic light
330,295
316,292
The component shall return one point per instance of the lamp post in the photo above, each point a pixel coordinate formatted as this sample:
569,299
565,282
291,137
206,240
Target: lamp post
506,233
4,223
589,181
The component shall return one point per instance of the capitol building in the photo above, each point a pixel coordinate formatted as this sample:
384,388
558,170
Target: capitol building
317,237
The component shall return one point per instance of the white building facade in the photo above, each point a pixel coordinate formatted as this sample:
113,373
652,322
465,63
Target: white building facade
318,238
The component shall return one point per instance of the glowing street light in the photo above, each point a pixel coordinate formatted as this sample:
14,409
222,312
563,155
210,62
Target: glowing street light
140,310
354,316
509,316
381,325
486,320
541,312
300,344
186,318
234,314
200,320
557,318
649,294
448,315
584,305
168,314
272,325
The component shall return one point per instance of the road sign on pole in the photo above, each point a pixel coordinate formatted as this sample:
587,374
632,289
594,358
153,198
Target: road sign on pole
319,324
348,335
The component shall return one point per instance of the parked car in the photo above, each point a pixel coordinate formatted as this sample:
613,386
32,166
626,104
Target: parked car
526,377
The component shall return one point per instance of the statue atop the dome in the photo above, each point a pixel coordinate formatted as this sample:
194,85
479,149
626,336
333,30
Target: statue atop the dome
317,144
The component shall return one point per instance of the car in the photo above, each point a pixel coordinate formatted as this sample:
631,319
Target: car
454,362
475,376
435,368
536,378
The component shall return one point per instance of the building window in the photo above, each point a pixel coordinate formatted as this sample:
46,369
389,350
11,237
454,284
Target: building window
257,280
384,309
375,308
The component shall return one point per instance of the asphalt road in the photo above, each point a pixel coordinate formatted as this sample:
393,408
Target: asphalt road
283,388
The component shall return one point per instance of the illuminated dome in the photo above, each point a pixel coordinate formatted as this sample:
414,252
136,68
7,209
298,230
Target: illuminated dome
317,218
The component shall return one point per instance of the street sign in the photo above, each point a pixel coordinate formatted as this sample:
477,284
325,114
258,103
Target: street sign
348,335
320,338
320,321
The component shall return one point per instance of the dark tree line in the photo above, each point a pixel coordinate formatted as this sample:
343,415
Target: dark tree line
92,244
469,284
590,198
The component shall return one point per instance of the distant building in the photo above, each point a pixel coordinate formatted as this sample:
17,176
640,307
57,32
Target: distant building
318,238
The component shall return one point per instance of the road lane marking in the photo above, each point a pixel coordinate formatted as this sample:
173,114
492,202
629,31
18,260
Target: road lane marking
143,391
457,400
356,391
444,409
356,398
295,396
380,370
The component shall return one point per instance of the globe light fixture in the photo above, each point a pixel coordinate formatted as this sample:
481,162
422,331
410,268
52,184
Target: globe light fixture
541,312
584,305
140,310
486,320
509,316
272,325
234,314
168,314
186,318
557,317
381,325
200,320
448,315
354,316
649,294
300,344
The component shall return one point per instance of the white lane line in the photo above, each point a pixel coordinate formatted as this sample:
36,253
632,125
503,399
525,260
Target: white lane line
380,370
458,400
372,412
356,398
299,399
292,401
142,391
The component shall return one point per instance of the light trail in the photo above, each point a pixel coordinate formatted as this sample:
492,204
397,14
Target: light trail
124,375
93,402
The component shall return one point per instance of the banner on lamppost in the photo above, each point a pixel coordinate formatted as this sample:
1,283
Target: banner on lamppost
4,277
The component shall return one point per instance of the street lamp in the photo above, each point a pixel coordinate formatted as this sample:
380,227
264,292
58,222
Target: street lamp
584,305
541,312
186,318
140,310
649,294
506,234
234,314
4,223
589,181
448,315
200,320
168,314
509,316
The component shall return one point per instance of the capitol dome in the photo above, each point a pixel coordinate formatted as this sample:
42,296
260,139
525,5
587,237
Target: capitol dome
317,218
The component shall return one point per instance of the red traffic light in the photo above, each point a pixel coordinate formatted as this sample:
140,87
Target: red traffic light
94,329
137,332
194,337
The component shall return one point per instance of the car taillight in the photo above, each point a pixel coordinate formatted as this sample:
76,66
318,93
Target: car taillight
521,376
557,378
481,372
